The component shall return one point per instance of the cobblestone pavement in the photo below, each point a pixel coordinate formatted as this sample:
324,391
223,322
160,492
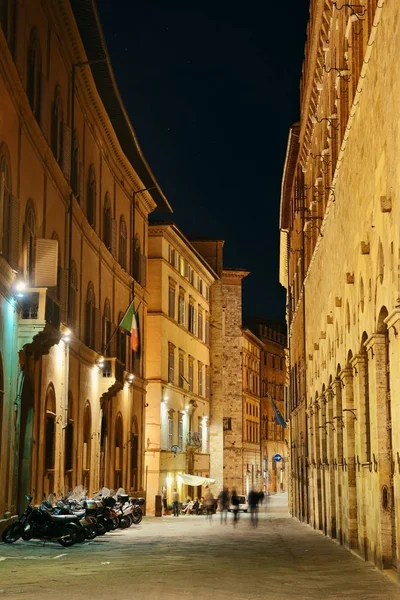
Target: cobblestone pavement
187,558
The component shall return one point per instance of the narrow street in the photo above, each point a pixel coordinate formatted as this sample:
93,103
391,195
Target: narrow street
188,558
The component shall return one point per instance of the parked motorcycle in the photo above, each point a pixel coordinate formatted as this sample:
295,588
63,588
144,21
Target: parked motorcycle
40,523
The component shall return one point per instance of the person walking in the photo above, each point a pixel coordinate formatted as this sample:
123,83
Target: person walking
175,503
235,507
223,502
209,502
253,501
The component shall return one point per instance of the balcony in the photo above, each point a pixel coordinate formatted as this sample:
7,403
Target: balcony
113,377
39,321
193,439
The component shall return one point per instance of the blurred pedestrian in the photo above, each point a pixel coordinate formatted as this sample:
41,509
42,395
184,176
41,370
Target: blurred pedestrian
235,507
164,500
261,497
209,502
253,500
223,504
175,503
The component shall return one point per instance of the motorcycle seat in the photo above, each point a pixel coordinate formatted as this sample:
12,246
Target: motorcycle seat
63,518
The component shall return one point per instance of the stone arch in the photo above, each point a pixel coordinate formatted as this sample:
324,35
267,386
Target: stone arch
381,326
349,358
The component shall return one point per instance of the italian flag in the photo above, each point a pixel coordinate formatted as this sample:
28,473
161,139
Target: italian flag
129,322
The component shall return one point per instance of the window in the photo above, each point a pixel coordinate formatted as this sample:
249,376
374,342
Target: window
191,276
107,222
7,21
34,74
200,325
207,330
73,291
171,301
181,379
192,316
208,382
172,256
123,239
91,197
200,286
9,214
180,431
273,362
171,363
200,379
181,308
75,167
106,328
30,242
191,373
227,423
181,265
57,127
207,290
90,326
170,430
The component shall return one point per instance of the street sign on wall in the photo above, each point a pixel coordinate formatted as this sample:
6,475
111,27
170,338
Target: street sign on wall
277,457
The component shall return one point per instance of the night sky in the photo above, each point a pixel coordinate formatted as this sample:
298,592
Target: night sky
211,89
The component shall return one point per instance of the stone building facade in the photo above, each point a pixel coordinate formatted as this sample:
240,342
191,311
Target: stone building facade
73,247
227,464
273,436
340,265
178,365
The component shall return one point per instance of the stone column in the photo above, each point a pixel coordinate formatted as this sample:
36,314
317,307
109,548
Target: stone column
381,456
350,534
337,418
363,460
393,324
329,471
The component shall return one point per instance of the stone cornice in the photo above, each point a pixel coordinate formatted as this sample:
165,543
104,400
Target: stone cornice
393,320
234,276
374,340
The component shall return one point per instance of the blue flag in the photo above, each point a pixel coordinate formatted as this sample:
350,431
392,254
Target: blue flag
278,415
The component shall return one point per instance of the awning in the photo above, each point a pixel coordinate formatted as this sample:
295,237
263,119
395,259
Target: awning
195,480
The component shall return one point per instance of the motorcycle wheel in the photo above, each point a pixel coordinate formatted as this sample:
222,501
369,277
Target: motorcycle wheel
90,532
12,533
101,527
114,523
125,522
81,535
137,517
27,534
70,536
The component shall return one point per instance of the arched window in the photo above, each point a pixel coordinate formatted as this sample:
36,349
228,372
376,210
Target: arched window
75,167
91,197
87,439
56,127
69,437
50,431
30,241
118,451
136,258
34,74
7,21
121,342
90,306
123,236
73,292
106,328
107,222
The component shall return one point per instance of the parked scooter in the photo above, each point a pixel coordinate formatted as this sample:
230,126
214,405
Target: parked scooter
40,523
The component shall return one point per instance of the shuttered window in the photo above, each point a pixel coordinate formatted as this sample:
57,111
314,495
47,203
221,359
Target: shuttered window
34,74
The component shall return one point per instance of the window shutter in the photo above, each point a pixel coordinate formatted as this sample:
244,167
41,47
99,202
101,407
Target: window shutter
46,263
66,153
63,294
14,232
113,344
97,330
143,271
114,237
44,107
81,184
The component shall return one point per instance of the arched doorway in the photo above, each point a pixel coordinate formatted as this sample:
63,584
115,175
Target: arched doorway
103,446
25,393
118,456
134,454
87,443
49,440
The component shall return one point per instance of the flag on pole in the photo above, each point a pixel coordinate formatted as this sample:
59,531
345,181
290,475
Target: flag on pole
280,420
129,322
